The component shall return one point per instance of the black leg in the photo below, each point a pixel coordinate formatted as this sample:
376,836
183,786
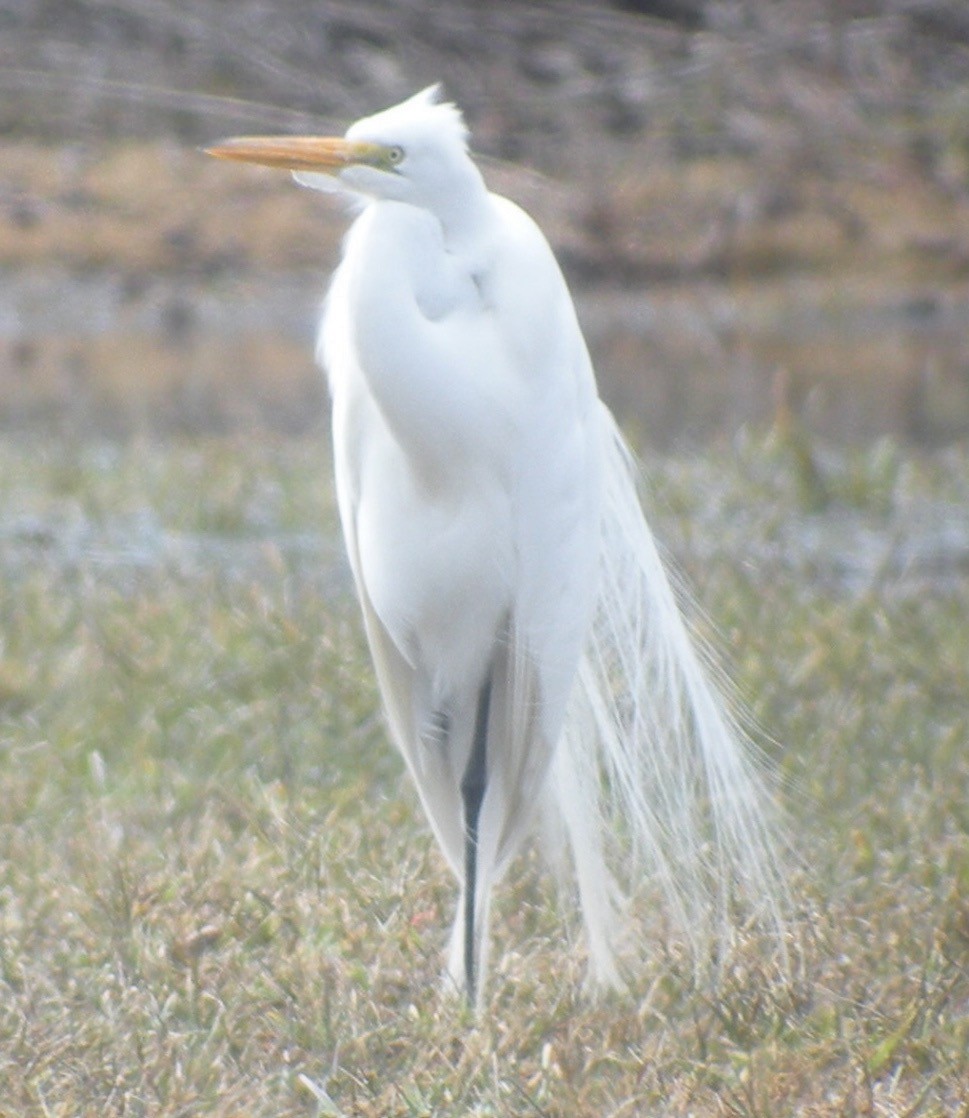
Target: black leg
473,785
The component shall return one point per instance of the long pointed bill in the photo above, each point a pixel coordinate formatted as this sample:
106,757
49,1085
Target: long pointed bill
298,153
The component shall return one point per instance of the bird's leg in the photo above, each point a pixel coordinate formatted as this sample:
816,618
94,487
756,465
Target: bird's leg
473,785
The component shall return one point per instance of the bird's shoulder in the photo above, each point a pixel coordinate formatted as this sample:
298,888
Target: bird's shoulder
516,234
524,288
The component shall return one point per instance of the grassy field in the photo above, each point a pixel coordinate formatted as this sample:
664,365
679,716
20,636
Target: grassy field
217,896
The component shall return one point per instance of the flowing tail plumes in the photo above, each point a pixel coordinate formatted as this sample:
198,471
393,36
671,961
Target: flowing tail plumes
655,776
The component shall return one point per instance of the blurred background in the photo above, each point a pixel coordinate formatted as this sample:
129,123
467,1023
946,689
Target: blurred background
762,208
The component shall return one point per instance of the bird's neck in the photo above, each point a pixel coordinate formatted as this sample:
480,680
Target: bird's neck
463,208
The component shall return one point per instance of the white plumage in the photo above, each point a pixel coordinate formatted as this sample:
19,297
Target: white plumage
529,649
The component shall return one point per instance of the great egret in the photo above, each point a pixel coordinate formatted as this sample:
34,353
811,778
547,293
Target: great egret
529,649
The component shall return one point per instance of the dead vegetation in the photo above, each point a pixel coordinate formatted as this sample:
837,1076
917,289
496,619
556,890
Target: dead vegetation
708,173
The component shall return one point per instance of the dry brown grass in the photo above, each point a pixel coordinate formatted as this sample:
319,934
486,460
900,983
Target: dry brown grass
144,208
721,277
161,207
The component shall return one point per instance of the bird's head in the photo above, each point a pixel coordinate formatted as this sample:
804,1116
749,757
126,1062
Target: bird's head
413,152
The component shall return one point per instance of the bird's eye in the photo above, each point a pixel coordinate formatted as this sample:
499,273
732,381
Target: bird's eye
395,155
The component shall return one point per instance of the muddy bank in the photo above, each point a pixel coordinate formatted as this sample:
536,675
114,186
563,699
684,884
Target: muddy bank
96,356
760,208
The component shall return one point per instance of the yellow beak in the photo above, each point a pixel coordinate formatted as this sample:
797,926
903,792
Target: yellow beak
298,153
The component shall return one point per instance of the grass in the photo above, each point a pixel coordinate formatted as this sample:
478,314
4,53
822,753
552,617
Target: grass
217,893
218,897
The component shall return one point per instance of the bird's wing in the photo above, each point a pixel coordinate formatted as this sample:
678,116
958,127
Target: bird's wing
557,471
556,508
430,767
556,499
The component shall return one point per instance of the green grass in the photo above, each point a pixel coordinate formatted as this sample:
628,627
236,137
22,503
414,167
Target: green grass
218,897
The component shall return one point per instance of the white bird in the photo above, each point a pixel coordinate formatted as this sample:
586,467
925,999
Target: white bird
529,649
